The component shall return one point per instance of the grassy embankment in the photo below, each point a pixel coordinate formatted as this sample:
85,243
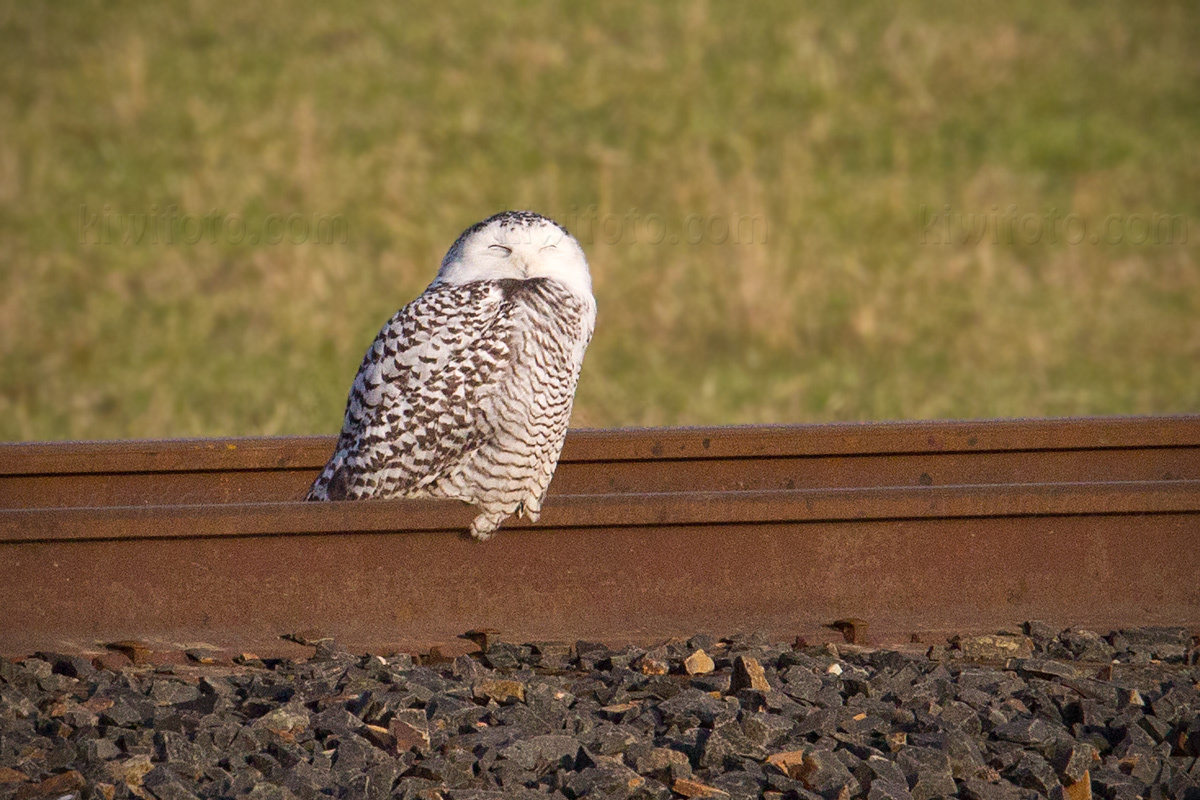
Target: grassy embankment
833,127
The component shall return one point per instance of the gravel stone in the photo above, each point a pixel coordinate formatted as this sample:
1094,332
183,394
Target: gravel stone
980,789
72,666
1045,713
664,764
748,674
1034,772
725,745
692,707
741,785
698,663
1086,645
541,751
998,647
607,780
1167,644
694,789
928,772
1028,731
500,690
128,712
888,790
824,773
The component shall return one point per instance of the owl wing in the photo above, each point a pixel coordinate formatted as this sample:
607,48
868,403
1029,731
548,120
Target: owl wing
413,410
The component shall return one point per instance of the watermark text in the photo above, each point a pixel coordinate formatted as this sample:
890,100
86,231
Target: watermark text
170,227
945,225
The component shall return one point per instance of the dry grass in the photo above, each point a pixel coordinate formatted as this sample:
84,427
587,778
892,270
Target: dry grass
832,126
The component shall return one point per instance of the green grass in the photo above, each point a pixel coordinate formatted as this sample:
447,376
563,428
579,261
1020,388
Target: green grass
833,125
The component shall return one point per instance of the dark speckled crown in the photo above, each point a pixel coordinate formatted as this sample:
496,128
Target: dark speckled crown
508,220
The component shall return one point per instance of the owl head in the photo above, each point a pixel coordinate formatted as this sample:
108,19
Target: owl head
520,245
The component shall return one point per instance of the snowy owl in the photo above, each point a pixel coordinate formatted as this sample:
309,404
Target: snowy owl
467,390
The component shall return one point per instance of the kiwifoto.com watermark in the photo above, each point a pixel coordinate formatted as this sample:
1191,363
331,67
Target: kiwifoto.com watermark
946,225
168,226
589,226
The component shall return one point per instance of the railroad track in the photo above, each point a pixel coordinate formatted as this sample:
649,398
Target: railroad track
916,529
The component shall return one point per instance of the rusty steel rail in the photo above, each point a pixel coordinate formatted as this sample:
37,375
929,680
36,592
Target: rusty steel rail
61,474
917,528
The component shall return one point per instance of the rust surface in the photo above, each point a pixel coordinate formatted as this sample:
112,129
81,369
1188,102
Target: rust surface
641,511
643,460
412,590
913,529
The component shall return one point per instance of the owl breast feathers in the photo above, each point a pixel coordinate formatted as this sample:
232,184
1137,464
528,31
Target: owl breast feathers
466,392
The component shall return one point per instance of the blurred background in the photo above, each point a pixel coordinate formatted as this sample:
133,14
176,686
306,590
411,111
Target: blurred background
793,212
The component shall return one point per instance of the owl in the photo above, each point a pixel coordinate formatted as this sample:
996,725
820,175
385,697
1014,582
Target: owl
467,390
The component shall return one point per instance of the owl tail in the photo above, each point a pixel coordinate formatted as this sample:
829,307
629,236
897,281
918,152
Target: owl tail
486,524
332,484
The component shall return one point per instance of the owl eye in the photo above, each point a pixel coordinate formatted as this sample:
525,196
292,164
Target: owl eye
548,247
501,248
